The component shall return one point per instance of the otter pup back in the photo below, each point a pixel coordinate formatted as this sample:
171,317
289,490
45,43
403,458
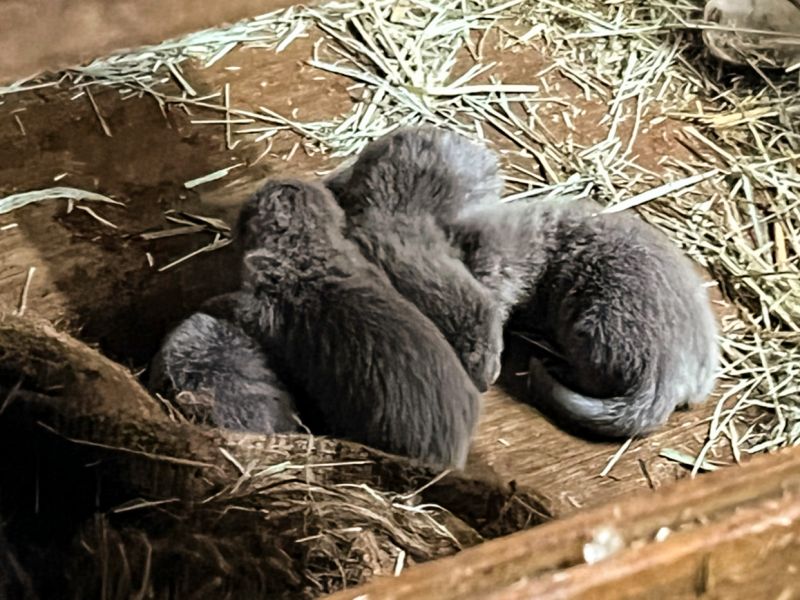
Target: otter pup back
378,370
626,311
397,195
217,375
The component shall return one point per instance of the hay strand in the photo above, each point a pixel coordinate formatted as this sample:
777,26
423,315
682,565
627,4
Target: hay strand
15,201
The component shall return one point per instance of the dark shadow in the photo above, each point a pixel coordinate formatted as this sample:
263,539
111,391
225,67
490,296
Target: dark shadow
96,279
514,381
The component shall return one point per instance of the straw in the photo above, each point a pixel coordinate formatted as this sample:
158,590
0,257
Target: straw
23,301
15,201
211,176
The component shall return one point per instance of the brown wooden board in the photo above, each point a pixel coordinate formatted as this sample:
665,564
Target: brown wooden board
47,35
731,534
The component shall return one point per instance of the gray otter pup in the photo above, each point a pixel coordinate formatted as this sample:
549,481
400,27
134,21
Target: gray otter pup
396,195
626,310
219,376
378,370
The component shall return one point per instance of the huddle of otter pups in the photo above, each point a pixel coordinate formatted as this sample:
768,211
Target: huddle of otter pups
373,306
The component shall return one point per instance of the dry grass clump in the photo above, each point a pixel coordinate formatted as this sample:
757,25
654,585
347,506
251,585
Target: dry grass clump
105,492
292,539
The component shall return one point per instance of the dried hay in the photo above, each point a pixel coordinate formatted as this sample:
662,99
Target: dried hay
295,540
15,201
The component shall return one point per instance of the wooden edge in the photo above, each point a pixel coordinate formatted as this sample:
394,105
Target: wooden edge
547,560
49,35
752,553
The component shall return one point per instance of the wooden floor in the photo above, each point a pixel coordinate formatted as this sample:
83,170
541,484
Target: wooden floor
95,280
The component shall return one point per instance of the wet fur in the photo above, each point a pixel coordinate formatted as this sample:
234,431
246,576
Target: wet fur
378,370
396,195
627,312
219,376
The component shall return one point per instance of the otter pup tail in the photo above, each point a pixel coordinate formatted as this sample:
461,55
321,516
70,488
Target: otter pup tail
642,410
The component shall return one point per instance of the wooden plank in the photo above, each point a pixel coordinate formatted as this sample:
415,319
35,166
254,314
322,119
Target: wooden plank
38,35
735,533
753,553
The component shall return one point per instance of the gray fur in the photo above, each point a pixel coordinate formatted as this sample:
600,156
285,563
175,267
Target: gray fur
379,371
626,310
419,171
217,375
396,195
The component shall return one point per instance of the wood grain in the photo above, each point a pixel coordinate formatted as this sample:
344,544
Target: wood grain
734,534
39,35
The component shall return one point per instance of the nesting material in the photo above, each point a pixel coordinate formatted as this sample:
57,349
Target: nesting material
298,540
145,502
15,201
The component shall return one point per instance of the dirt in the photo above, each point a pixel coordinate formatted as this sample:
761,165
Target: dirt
94,281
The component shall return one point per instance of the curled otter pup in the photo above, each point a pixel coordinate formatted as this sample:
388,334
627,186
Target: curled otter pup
627,312
217,375
378,370
396,195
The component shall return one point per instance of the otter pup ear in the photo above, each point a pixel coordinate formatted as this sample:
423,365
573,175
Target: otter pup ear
256,261
247,212
268,211
338,180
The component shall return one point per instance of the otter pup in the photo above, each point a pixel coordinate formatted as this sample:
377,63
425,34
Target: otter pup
378,370
627,312
217,375
436,171
397,194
